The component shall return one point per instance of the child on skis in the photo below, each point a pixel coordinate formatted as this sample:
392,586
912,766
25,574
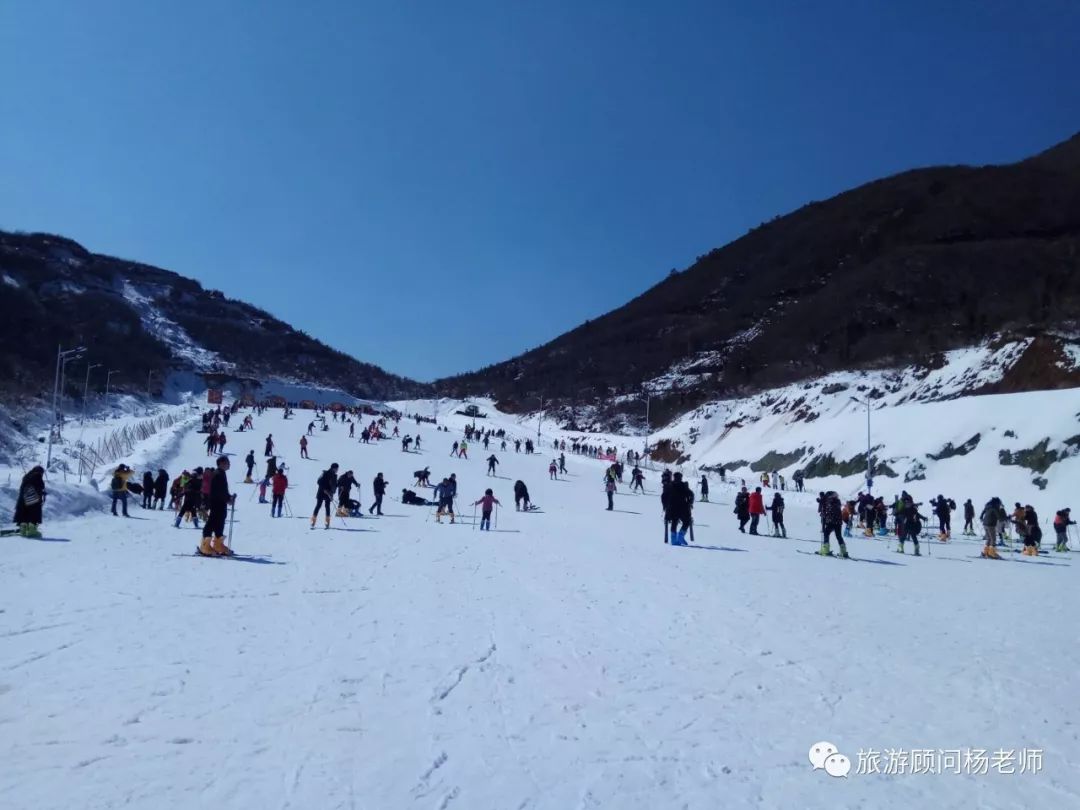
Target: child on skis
486,503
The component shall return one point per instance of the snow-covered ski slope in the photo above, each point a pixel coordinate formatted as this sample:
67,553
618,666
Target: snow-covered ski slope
569,659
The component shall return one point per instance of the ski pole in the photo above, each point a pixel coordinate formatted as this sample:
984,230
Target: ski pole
232,517
496,516
474,517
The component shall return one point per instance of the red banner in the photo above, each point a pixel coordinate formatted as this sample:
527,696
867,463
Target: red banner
213,396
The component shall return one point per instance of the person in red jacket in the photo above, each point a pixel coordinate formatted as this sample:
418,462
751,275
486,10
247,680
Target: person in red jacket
486,503
757,509
277,493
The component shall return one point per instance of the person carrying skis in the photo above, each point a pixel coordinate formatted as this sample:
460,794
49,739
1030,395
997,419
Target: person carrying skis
147,490
521,496
831,524
30,503
249,460
678,509
704,489
378,486
756,505
119,488
277,493
776,511
1062,522
326,486
269,450
742,509
492,462
161,487
989,518
485,504
213,533
444,495
422,477
189,507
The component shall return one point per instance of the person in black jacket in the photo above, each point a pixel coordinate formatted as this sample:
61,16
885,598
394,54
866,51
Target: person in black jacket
249,459
969,518
378,486
324,493
521,496
776,511
678,504
161,488
147,489
192,498
832,521
704,488
742,509
30,503
345,502
213,533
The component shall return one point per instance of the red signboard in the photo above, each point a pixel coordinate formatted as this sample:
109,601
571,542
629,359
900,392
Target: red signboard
213,396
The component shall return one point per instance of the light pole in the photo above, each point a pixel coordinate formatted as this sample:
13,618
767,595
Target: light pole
61,360
86,388
539,418
645,450
108,380
869,471
149,374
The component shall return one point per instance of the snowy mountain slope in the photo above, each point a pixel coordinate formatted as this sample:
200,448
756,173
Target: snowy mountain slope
569,659
145,319
931,432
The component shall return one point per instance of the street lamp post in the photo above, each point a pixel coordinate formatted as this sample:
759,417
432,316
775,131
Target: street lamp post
61,360
539,418
869,470
108,381
645,450
86,388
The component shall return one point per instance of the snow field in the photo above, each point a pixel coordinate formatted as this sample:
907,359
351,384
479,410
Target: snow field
568,660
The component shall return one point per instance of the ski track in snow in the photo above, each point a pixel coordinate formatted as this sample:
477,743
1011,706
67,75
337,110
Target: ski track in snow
579,663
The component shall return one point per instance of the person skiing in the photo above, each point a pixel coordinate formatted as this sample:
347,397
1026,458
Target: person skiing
678,509
269,451
637,480
909,523
422,477
119,488
405,443
1062,522
303,447
776,511
1033,535
492,462
416,444
989,518
271,467
444,495
326,486
562,463
798,478
211,443
969,518
521,496
553,470
277,493
704,489
347,506
517,445
756,505
311,428
610,489
830,524
378,486
463,451
30,503
453,449
189,506
485,504
161,488
147,490
213,533
222,439
249,460
742,509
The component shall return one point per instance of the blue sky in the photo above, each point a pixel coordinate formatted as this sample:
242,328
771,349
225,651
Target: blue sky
435,186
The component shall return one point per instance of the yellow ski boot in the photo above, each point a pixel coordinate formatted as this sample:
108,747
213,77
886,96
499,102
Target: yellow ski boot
219,547
206,549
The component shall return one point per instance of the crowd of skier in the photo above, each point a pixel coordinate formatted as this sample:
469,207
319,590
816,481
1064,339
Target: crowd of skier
203,494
